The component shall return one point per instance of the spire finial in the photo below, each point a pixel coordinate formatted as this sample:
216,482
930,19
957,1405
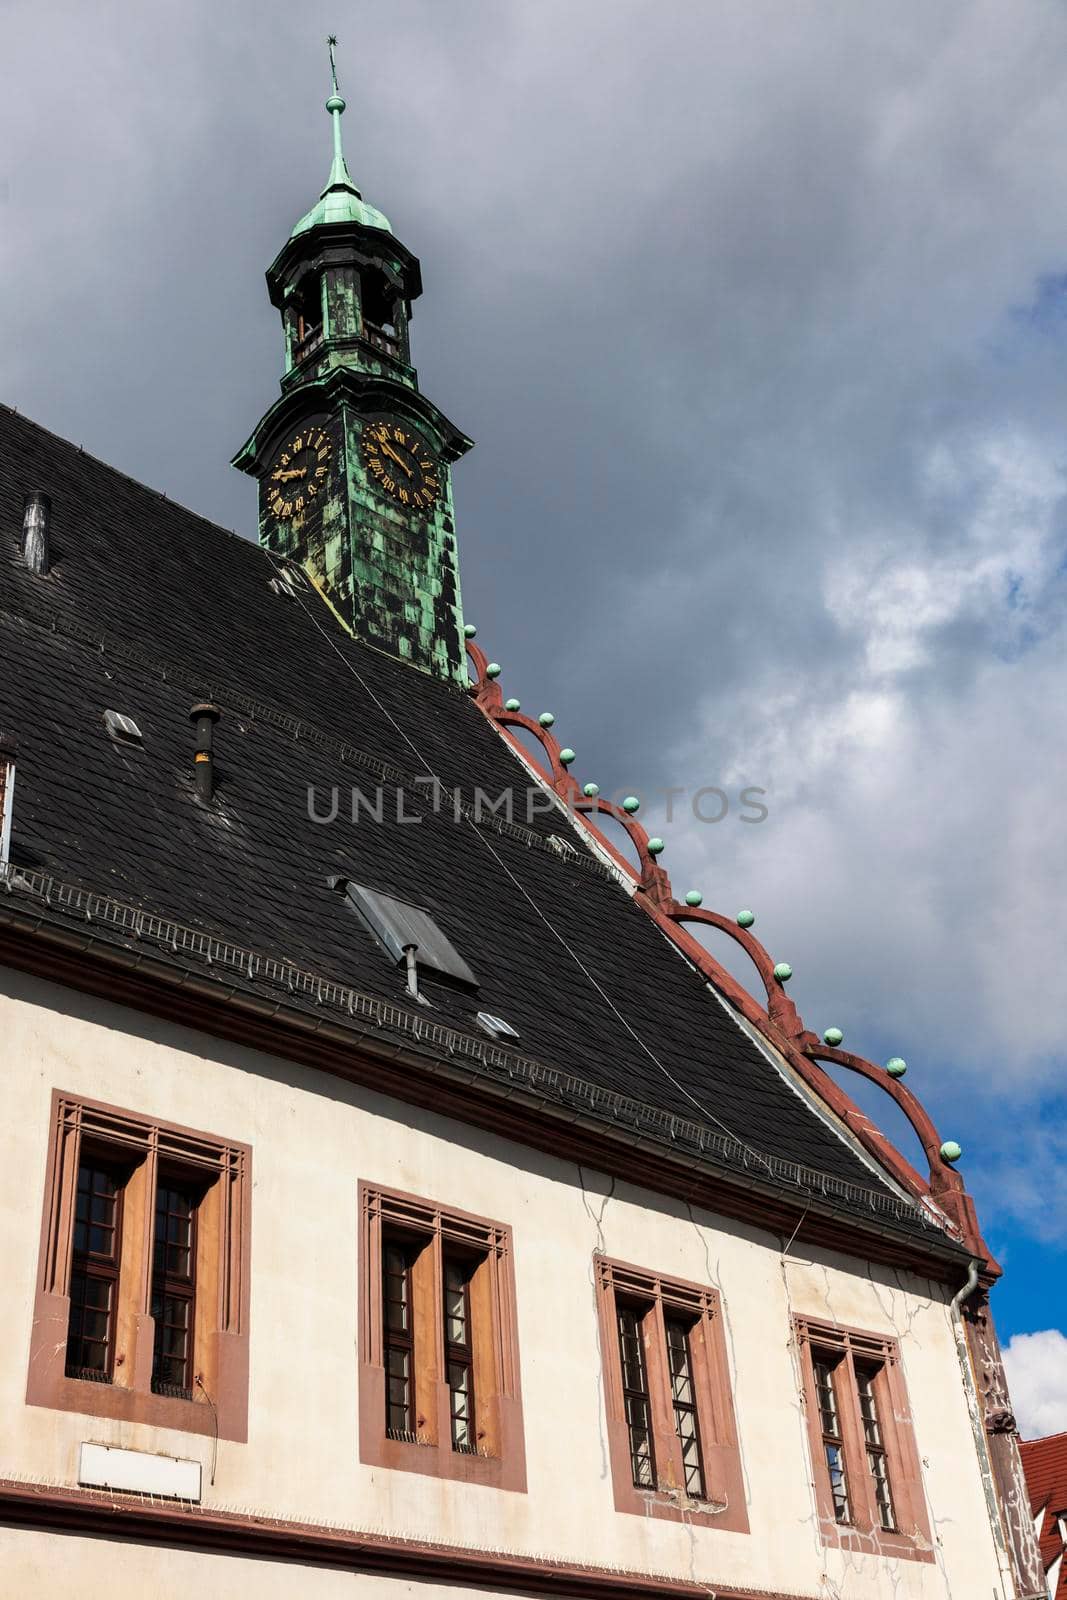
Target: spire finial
335,105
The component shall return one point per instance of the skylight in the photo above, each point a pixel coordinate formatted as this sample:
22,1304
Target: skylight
122,729
496,1026
400,927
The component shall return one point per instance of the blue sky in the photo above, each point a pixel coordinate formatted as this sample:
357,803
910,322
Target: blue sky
757,313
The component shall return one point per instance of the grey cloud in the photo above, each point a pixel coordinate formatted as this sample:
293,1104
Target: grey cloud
727,295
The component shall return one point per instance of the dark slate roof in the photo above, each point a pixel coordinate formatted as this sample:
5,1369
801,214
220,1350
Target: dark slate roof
148,607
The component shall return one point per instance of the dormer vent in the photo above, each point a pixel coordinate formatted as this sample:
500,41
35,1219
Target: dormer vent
408,934
36,526
496,1026
122,729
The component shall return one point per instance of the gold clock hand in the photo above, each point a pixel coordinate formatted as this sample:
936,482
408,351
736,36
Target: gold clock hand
294,472
401,463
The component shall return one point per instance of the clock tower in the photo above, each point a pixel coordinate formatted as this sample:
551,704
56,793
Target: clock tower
353,462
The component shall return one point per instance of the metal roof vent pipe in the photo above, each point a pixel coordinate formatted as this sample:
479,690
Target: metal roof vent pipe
204,716
36,524
8,752
411,960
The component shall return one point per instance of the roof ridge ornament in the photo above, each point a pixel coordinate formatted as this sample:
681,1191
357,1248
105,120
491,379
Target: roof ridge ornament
340,177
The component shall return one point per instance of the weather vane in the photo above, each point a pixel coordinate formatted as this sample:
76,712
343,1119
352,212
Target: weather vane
331,40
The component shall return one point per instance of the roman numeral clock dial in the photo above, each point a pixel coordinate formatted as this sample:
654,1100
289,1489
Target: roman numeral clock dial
400,464
298,476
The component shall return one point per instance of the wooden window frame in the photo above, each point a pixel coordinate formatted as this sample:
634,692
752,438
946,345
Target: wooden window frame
847,1348
457,1354
89,1264
700,1308
169,1286
432,1231
395,1339
221,1170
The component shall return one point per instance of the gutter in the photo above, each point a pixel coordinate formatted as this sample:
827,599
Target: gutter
977,1420
682,1173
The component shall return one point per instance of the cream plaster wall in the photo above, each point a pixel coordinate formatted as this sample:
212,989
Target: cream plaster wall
313,1138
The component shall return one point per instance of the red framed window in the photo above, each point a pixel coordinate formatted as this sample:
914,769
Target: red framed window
438,1343
142,1299
865,1460
672,1437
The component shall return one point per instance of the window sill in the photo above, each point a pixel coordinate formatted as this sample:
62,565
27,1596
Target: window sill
48,1384
665,1503
876,1542
91,1397
504,1471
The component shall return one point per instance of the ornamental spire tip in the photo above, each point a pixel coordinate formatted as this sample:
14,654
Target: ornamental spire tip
339,178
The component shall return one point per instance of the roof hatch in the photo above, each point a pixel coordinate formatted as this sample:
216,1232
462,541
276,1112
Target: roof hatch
400,927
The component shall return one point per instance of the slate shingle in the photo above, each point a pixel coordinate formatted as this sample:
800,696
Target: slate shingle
194,604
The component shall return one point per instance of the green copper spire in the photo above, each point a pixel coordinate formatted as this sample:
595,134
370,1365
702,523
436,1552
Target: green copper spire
335,105
340,201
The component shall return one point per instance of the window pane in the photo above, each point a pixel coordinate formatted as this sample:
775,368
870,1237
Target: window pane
459,1352
173,1302
876,1456
826,1376
685,1417
635,1397
89,1328
94,1272
399,1346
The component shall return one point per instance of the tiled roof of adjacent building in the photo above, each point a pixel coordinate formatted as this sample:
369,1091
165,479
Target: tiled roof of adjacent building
1045,1465
148,607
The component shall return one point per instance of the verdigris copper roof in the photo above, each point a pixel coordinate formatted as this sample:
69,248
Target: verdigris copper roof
340,201
147,608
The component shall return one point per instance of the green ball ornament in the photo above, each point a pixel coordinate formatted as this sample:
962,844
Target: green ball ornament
951,1151
493,670
567,756
631,804
591,790
656,847
546,719
833,1037
783,971
896,1066
745,919
694,898
469,630
512,705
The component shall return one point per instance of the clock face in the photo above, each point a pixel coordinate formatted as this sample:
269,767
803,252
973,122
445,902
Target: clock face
400,464
298,475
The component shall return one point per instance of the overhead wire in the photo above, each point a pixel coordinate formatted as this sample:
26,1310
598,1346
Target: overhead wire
553,930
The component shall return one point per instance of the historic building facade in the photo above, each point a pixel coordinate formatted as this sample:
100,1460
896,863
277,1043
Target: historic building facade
396,1195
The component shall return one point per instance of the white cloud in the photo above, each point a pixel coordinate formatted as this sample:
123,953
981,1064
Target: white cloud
912,867
1036,1364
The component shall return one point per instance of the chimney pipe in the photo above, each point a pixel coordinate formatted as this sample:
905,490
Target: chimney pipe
8,752
204,715
36,521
